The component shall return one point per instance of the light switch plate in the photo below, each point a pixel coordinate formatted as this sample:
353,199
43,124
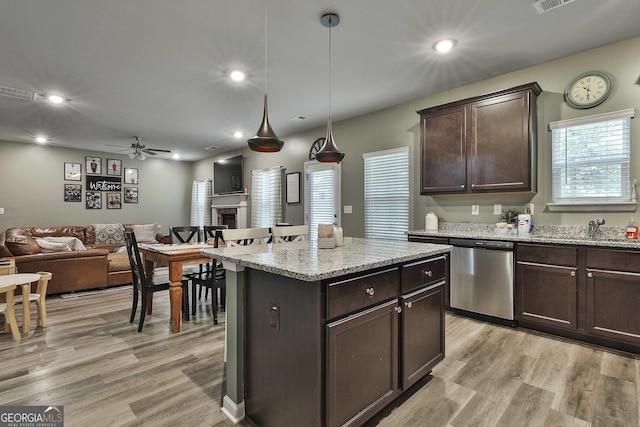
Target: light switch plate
475,209
1,211
497,209
348,209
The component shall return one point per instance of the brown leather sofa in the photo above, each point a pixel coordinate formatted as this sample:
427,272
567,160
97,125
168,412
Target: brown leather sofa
99,266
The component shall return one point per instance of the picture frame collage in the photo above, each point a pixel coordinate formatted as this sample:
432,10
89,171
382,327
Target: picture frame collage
96,199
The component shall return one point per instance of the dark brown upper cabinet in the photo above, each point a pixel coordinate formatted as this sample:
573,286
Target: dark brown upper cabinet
484,144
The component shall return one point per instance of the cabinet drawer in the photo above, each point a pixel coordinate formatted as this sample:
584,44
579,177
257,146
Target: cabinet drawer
611,259
547,254
354,294
423,273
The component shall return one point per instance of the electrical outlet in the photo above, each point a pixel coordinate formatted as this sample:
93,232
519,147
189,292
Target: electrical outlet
475,209
497,209
1,211
348,209
528,208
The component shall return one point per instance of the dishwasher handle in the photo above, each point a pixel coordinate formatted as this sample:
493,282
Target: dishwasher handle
486,244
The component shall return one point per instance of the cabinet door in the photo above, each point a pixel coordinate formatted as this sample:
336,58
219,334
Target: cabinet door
422,332
499,156
547,295
443,154
613,304
362,364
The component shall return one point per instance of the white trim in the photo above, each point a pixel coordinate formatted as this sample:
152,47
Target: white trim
233,411
384,152
613,115
593,207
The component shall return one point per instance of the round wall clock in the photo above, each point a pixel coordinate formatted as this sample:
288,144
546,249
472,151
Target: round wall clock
588,89
315,147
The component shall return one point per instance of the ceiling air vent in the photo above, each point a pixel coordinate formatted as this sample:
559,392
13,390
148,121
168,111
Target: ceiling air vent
12,92
543,6
213,147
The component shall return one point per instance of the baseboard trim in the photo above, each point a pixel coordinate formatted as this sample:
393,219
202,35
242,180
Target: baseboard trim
234,411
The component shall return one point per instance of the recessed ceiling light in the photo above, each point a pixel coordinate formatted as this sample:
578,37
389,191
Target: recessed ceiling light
238,134
41,139
237,76
444,45
56,99
176,156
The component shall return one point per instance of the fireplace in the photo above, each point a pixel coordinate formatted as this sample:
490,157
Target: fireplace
229,210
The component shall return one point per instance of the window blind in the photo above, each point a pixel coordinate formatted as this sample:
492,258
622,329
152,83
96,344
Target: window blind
591,158
386,194
323,196
201,203
266,197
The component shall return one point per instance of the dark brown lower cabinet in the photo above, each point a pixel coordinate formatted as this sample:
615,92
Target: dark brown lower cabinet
587,293
335,352
362,364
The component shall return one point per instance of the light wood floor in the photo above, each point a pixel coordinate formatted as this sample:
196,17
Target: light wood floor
104,373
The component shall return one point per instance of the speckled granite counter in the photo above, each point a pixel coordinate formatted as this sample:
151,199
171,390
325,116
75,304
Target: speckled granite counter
304,261
612,237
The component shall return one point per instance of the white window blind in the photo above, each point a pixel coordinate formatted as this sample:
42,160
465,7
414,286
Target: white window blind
322,195
201,203
266,197
386,194
591,158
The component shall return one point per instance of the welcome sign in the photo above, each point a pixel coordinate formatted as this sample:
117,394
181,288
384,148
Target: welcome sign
104,183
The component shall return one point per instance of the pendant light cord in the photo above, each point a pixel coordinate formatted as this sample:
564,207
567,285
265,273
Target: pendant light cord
266,58
329,118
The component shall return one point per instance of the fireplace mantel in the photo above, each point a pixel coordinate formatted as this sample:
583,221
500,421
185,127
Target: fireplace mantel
236,201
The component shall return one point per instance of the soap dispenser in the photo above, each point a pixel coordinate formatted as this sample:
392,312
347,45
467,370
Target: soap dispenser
632,231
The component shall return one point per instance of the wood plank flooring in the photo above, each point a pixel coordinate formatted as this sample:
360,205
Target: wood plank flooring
104,373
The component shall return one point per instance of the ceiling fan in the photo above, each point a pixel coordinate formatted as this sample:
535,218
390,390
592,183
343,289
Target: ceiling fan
139,150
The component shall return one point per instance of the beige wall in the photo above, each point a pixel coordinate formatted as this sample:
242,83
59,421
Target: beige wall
31,182
32,186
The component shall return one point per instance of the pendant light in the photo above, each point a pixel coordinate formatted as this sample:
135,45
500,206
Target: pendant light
266,140
329,153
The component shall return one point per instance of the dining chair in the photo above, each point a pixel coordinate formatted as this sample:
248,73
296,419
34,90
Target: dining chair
184,234
289,233
145,286
213,277
8,308
39,298
212,235
245,236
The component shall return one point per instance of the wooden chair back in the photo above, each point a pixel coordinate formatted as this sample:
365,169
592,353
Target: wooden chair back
245,236
293,233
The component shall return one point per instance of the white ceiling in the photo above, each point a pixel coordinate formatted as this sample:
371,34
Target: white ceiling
157,68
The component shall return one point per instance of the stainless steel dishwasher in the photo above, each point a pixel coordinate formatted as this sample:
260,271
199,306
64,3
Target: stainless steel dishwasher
482,277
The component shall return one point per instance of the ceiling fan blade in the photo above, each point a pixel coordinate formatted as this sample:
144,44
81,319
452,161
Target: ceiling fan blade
147,151
119,146
159,150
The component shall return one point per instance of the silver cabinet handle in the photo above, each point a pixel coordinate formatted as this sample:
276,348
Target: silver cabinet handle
461,185
589,275
408,304
573,274
370,291
398,309
428,273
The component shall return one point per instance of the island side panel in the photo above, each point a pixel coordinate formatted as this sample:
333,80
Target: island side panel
284,341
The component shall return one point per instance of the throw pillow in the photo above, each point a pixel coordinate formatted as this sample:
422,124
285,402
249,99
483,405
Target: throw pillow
49,246
146,233
73,243
109,233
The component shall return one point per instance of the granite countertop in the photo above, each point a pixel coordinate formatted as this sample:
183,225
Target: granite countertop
612,237
304,261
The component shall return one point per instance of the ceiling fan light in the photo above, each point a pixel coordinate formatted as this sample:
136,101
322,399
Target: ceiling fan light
141,156
131,155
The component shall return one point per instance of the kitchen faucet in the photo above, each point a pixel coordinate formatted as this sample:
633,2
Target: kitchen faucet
594,225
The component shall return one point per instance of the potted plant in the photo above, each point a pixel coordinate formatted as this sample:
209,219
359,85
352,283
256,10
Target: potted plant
510,216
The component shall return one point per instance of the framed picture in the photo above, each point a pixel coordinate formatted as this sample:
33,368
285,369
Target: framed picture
73,192
72,171
114,200
130,195
93,165
114,167
131,176
94,200
293,187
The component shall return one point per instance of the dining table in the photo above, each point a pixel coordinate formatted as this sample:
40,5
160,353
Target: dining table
176,256
24,280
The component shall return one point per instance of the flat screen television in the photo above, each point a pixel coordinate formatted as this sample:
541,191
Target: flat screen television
227,175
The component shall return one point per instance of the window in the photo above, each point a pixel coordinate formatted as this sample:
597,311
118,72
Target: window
386,194
591,159
266,197
200,209
321,195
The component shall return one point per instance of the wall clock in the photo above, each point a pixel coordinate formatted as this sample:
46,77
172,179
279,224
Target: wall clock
588,89
315,147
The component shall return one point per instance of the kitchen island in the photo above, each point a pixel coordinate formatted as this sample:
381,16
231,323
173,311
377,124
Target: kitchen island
328,337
